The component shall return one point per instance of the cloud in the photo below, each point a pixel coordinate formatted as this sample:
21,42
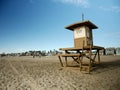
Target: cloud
113,8
82,3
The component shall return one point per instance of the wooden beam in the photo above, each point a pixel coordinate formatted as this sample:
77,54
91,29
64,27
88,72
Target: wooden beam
60,61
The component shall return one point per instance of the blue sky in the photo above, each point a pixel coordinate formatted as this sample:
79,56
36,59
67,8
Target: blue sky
39,24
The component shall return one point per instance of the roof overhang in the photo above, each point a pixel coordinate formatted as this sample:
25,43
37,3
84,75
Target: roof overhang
83,23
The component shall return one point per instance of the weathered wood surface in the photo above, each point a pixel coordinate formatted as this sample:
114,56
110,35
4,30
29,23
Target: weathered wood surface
78,57
85,48
69,55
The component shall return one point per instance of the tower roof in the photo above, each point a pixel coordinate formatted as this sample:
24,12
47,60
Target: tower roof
83,23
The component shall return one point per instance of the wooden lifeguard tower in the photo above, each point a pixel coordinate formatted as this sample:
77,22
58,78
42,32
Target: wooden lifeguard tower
83,44
82,33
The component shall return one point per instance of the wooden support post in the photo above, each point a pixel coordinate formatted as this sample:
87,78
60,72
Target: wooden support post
90,62
80,62
95,57
60,61
66,58
66,61
98,57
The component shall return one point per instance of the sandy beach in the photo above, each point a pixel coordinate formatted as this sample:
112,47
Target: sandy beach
45,73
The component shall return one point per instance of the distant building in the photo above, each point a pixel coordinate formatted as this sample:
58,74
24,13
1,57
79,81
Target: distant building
110,51
118,51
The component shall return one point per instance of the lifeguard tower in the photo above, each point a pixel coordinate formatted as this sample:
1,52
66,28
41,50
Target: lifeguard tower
82,33
83,45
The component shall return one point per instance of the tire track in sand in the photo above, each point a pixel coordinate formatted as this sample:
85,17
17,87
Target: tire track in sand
25,78
62,80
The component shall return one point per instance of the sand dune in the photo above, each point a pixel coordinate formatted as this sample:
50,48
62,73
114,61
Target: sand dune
27,73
